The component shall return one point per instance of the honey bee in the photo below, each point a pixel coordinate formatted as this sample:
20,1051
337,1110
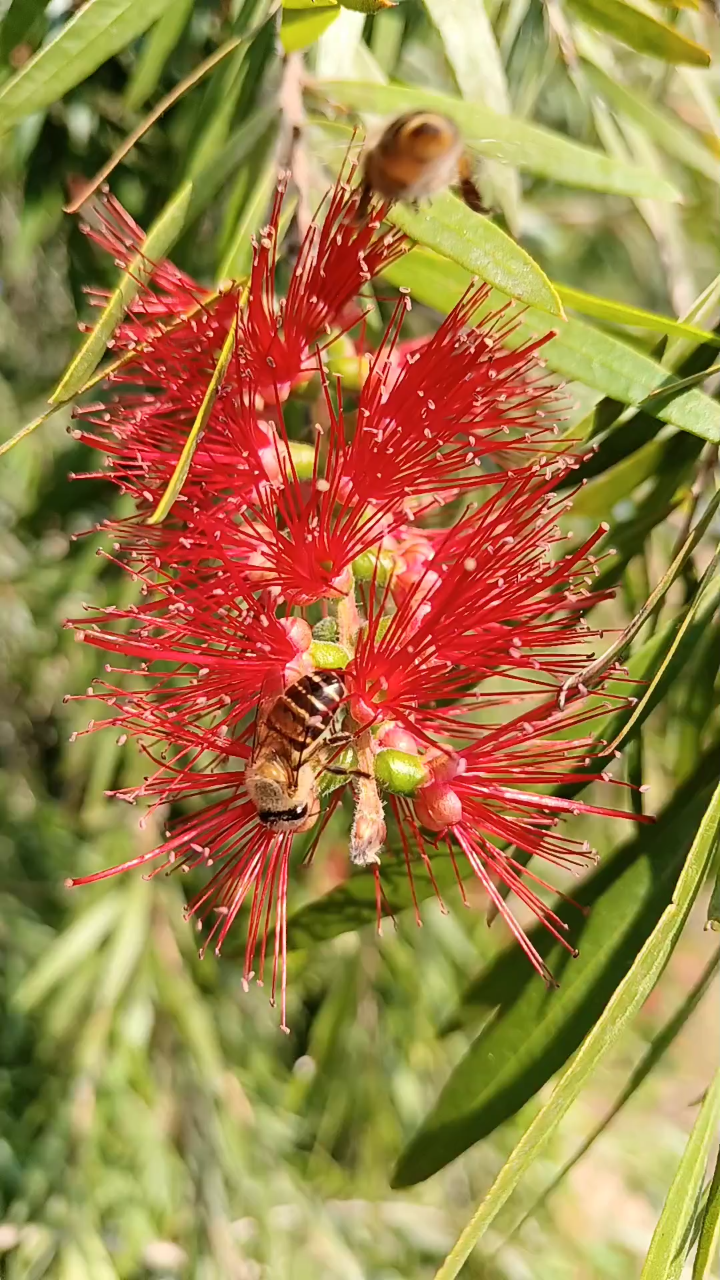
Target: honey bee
294,739
417,155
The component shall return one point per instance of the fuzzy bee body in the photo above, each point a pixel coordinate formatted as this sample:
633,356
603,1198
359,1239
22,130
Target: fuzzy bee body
292,742
417,155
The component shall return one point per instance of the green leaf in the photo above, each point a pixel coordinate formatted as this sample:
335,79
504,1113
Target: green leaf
479,72
536,1030
671,1239
17,23
709,1229
301,28
79,941
641,31
578,351
626,1001
238,257
656,1050
162,235
97,31
664,127
528,146
622,314
474,242
155,52
602,494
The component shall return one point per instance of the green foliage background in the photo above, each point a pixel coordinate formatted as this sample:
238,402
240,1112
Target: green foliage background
154,1121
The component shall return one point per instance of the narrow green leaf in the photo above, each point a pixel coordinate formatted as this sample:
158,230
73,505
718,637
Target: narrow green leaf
620,313
238,258
656,1050
17,23
535,1032
97,31
301,28
528,146
664,127
713,912
474,242
651,690
182,467
709,1229
578,352
671,1239
601,494
479,72
162,235
641,31
80,940
628,998
157,48
657,595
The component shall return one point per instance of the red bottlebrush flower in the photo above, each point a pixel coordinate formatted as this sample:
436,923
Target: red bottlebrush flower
175,331
485,598
477,802
266,574
337,257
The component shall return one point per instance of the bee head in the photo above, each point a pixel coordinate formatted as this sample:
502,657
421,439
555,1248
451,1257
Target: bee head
280,806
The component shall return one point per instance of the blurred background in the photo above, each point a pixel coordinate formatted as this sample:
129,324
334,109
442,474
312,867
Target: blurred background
154,1122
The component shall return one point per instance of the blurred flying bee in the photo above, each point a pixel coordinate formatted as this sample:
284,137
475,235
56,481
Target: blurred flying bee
417,155
295,740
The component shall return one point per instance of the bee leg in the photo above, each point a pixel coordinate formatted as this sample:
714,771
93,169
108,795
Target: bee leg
347,773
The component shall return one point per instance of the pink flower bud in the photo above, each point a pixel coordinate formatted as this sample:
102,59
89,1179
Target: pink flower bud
437,807
399,739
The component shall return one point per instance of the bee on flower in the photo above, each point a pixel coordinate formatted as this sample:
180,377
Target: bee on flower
336,618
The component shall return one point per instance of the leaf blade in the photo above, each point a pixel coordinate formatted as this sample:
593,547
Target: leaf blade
626,1001
669,1245
95,33
527,146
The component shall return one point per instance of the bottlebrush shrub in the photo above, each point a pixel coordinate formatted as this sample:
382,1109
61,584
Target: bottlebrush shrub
414,551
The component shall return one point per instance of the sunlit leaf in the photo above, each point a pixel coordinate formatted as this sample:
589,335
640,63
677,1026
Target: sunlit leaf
302,27
661,1042
528,146
620,313
535,1030
618,1013
473,241
92,35
709,1229
641,31
671,1238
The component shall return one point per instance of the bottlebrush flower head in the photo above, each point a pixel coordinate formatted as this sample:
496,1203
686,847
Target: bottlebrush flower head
360,565
169,343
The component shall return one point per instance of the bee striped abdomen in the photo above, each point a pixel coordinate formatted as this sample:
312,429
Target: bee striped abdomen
304,714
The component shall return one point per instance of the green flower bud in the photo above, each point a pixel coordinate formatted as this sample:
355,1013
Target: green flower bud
303,456
352,369
399,772
364,566
327,656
